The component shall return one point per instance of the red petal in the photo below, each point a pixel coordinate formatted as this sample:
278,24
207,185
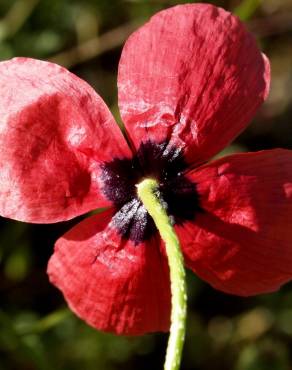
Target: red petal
194,75
54,130
241,243
111,283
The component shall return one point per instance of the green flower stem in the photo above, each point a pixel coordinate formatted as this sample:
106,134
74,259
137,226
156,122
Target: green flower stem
47,322
149,194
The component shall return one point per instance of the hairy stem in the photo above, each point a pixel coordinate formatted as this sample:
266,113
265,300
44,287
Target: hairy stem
149,194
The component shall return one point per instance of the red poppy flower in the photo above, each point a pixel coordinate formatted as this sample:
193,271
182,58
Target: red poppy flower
189,81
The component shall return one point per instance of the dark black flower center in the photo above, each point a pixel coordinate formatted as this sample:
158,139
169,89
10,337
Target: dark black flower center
162,162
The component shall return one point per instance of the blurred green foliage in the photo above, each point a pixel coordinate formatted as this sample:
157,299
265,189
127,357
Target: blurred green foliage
37,331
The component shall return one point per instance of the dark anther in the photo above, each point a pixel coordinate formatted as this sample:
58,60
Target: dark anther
162,162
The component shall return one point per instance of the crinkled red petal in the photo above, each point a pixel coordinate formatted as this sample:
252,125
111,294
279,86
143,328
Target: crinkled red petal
241,243
109,282
55,132
193,75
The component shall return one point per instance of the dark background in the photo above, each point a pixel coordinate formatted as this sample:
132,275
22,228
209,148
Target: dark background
223,332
